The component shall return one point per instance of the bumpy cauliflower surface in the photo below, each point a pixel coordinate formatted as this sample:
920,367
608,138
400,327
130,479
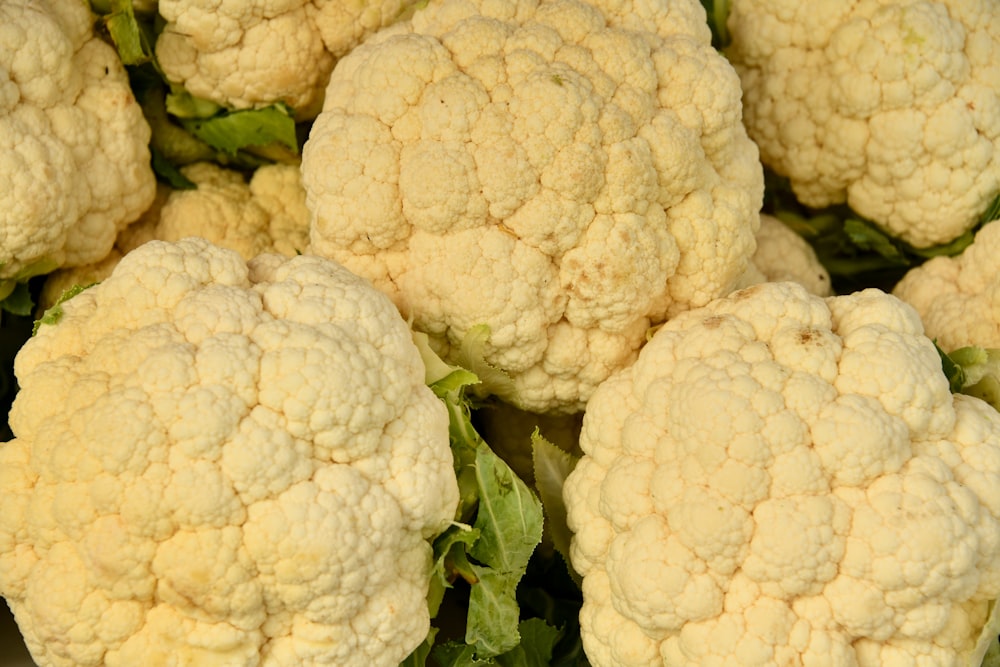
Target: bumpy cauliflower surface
266,214
564,172
257,52
781,255
958,298
223,463
74,160
782,479
892,106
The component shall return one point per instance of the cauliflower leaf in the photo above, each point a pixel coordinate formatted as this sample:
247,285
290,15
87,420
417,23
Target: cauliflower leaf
974,371
497,526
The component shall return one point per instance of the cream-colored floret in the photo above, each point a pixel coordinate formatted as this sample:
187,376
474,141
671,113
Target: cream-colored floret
786,479
958,298
257,52
892,106
74,157
218,462
266,214
782,254
567,173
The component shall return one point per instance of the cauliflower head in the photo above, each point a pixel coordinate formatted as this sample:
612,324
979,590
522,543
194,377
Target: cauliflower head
892,106
783,479
958,298
782,255
223,463
254,53
266,214
551,169
75,162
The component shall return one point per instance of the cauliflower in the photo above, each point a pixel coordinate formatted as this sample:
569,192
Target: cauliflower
268,214
782,479
254,53
958,298
782,255
75,164
223,463
550,169
892,106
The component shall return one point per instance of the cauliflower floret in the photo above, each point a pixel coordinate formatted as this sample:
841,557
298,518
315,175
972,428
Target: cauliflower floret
268,214
257,52
781,255
76,165
551,170
783,479
890,106
958,298
223,463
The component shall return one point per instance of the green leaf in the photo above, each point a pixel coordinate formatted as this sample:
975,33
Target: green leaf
182,104
538,639
952,371
18,301
552,466
507,526
125,32
992,211
52,315
492,380
978,372
233,131
491,625
450,562
867,237
168,172
455,654
717,13
947,249
509,517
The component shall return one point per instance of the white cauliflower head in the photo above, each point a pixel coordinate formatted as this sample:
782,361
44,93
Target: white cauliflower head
74,156
254,53
892,106
551,169
781,255
958,298
783,479
266,214
223,463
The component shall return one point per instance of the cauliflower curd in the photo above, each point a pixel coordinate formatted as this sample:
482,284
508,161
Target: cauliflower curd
567,173
958,298
74,157
892,106
223,463
782,479
253,53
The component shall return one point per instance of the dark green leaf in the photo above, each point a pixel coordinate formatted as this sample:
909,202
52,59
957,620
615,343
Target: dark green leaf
168,172
455,654
717,13
18,301
538,638
992,211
